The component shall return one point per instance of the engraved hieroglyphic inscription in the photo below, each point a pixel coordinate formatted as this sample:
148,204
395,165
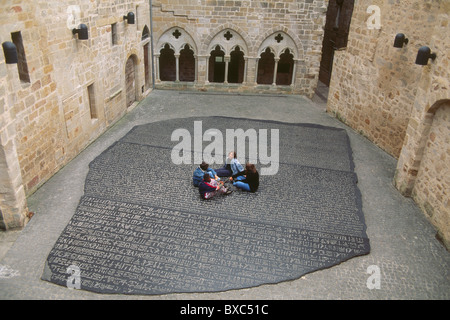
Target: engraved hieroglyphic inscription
141,227
133,248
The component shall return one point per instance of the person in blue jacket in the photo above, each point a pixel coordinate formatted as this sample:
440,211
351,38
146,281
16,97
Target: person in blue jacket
200,172
232,167
237,170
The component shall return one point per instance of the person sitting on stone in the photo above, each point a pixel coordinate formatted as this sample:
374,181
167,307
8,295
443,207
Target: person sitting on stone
250,182
232,167
200,172
208,187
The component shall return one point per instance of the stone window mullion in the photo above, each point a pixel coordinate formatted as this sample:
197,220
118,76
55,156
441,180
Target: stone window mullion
275,68
157,67
177,66
227,63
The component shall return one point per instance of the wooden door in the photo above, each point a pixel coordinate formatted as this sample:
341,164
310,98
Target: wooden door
130,81
337,25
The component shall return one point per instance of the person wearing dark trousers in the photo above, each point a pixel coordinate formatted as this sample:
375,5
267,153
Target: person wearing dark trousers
232,167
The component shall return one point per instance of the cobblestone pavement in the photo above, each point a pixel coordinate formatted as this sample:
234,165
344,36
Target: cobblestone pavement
406,260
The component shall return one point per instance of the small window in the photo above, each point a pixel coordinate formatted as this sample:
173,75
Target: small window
91,98
22,60
114,34
145,33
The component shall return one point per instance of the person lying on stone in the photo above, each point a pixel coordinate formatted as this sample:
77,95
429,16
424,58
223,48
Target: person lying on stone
208,187
200,172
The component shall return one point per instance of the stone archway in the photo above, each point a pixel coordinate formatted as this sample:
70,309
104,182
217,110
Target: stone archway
285,69
277,50
167,64
266,65
432,182
217,65
236,67
227,60
176,58
146,47
13,204
187,64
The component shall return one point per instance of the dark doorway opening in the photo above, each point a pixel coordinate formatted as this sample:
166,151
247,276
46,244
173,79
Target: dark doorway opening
236,66
187,64
285,68
217,65
167,64
337,25
266,65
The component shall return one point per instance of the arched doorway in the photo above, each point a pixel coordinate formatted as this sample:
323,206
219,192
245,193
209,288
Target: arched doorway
236,66
187,64
217,65
266,65
167,64
145,36
130,80
227,63
285,68
432,183
176,60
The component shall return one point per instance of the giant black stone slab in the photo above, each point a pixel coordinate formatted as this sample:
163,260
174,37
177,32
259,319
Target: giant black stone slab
141,227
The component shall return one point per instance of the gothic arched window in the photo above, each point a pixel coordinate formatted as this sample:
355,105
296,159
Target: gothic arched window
266,65
167,66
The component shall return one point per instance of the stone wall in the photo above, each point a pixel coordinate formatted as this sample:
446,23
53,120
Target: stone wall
75,88
65,91
380,92
432,184
252,24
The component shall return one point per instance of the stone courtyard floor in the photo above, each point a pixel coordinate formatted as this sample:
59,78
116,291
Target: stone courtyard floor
412,264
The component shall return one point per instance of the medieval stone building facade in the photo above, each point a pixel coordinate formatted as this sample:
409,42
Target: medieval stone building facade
65,90
403,107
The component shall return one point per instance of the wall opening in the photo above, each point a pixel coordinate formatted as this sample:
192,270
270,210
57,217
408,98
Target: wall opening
167,64
285,68
431,186
91,99
145,33
130,81
337,26
114,34
266,65
22,60
217,65
236,66
187,64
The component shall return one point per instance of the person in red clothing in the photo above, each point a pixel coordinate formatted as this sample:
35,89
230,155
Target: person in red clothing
208,188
